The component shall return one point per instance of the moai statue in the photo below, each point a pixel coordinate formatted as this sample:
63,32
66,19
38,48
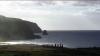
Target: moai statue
62,45
58,45
55,45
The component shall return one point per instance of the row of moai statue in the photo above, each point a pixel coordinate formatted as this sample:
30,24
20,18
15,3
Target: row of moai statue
54,45
58,45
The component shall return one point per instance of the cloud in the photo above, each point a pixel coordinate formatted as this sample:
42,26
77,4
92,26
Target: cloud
56,2
87,3
94,17
44,11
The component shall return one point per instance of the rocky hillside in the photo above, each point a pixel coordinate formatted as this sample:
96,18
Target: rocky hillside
17,29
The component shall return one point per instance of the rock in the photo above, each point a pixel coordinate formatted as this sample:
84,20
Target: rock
44,32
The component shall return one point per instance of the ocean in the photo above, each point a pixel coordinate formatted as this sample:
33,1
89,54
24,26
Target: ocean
72,39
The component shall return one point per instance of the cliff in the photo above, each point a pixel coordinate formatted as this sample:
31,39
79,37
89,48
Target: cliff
17,29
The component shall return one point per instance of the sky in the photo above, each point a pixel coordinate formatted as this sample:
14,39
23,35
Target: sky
55,15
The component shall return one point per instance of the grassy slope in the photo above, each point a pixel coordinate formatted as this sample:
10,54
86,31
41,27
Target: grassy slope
41,51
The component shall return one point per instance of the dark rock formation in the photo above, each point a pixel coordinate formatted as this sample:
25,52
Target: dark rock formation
17,29
44,32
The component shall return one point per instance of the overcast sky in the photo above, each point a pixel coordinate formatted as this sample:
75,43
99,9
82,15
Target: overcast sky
56,15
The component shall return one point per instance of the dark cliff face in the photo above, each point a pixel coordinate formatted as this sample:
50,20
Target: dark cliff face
17,29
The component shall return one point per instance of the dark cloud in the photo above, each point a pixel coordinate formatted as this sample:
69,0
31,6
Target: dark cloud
97,10
66,2
56,2
87,2
17,29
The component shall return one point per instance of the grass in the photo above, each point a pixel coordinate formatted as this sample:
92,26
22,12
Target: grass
47,51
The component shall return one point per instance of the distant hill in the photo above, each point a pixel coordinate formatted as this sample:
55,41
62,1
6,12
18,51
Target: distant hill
17,29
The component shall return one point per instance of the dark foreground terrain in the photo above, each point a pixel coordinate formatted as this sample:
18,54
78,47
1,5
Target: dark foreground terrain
32,50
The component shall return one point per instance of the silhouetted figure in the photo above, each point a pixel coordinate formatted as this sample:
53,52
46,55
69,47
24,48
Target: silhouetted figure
61,45
45,32
55,45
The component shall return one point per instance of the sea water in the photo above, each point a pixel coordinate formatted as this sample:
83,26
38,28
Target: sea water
72,39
